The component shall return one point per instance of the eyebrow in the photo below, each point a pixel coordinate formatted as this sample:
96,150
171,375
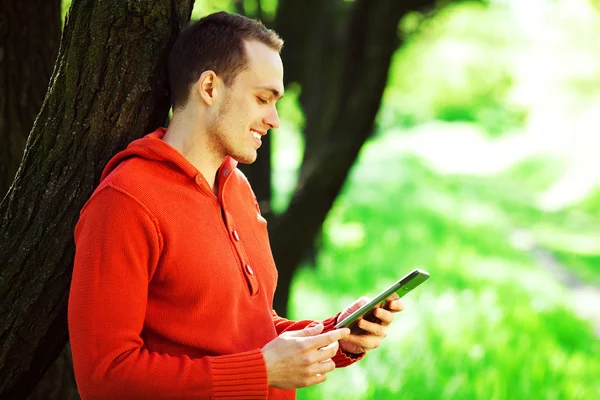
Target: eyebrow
272,90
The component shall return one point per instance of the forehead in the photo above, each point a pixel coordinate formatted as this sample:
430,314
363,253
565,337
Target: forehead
264,66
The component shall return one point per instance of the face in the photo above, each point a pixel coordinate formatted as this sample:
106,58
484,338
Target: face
245,110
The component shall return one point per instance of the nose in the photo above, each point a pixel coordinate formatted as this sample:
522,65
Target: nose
272,119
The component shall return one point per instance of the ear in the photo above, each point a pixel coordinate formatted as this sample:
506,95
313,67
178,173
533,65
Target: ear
207,86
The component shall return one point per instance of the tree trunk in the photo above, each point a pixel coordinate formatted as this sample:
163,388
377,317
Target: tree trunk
109,87
315,59
340,99
259,172
259,176
29,39
58,382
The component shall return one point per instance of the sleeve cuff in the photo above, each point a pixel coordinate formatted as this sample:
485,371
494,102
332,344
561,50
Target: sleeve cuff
343,359
239,376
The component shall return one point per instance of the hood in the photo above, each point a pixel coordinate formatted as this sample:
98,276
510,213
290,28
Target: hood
152,147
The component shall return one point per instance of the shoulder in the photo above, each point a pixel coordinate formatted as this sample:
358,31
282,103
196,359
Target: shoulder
110,204
116,215
125,187
243,185
241,179
244,194
137,175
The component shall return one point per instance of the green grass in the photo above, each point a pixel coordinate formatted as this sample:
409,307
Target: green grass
489,324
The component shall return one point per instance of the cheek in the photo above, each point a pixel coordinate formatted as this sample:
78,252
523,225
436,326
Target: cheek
242,113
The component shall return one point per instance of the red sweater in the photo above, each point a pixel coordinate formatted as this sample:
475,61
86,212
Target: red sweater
172,287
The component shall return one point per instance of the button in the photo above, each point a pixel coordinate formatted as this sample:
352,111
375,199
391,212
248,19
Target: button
236,235
249,269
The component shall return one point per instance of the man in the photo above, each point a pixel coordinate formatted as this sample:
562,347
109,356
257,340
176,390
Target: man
174,279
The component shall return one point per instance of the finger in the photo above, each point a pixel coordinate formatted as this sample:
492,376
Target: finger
333,345
372,327
326,352
309,331
326,338
393,296
389,299
386,317
361,302
322,367
396,306
319,356
353,307
313,380
364,342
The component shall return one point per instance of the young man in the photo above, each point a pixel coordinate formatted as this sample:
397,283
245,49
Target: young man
174,279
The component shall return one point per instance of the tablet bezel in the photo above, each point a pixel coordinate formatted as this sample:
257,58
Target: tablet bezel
402,287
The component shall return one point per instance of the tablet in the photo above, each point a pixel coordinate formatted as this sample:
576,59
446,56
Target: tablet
402,287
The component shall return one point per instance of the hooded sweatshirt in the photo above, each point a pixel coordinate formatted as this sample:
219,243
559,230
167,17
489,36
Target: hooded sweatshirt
172,288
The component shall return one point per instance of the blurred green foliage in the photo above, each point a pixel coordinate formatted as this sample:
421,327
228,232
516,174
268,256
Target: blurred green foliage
457,66
495,321
489,324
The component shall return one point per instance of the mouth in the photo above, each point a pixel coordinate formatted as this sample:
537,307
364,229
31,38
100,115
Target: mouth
257,135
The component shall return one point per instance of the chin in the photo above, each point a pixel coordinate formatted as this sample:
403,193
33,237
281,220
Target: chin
247,158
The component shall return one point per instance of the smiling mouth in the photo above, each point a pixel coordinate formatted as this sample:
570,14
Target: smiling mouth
255,134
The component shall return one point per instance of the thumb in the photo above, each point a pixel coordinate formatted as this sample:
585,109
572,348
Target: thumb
353,307
311,330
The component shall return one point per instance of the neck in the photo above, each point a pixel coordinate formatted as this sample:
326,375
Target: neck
190,138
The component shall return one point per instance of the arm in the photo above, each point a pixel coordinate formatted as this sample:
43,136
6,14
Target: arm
118,247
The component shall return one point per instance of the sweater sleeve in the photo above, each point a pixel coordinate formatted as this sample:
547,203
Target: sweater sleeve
341,359
118,245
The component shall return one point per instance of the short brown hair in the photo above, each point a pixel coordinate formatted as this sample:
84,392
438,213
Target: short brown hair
215,42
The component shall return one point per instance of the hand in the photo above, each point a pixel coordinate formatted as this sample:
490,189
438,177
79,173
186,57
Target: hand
373,328
301,358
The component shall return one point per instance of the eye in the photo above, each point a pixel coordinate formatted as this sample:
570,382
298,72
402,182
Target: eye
261,100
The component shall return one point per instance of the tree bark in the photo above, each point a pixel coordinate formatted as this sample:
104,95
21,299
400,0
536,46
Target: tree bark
30,32
29,39
109,87
340,98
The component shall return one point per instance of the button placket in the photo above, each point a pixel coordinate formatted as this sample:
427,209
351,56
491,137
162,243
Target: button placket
247,269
